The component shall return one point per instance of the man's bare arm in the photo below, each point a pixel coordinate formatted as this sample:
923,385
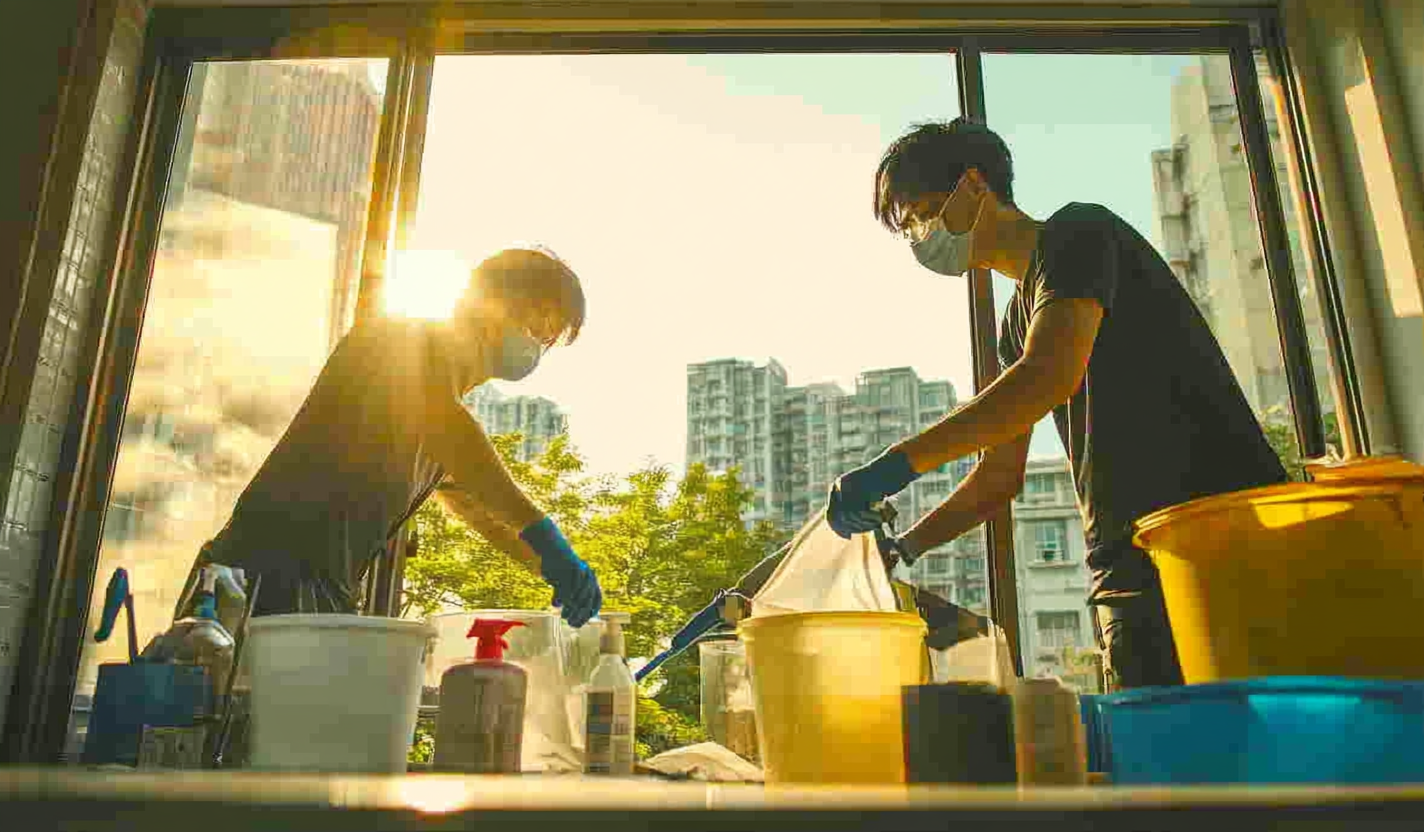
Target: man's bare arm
460,445
1056,352
462,504
993,482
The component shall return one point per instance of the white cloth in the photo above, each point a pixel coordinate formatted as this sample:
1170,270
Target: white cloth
705,761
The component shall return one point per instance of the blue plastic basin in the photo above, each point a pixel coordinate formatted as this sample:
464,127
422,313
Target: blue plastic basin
1275,730
1095,733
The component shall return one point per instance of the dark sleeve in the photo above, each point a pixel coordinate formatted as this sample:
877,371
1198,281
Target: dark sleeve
1080,257
1010,342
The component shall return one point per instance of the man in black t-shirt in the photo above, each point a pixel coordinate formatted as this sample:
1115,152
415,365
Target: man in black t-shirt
1100,332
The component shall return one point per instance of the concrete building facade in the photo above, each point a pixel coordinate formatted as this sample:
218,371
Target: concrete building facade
1050,556
1210,237
535,418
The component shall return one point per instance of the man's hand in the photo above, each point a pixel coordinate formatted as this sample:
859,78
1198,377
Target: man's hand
576,589
848,510
898,549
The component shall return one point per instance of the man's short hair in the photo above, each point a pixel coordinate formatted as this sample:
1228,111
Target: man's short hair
534,280
931,158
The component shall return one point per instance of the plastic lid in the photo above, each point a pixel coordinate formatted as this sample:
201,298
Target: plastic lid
490,632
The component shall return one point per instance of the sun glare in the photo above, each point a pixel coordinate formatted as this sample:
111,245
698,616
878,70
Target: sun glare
425,284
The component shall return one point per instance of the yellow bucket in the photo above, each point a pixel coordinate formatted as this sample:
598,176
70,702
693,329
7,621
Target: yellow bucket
1296,579
826,687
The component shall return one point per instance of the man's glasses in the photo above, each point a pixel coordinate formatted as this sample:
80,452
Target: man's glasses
915,226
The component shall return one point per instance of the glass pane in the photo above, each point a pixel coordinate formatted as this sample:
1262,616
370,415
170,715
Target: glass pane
1156,139
1311,303
745,309
254,279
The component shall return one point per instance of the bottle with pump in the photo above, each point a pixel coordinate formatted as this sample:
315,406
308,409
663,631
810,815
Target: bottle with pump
611,699
480,725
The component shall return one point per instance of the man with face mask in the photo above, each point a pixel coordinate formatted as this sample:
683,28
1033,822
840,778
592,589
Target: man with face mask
1099,332
383,428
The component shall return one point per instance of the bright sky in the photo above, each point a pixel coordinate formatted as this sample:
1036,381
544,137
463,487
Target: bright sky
719,206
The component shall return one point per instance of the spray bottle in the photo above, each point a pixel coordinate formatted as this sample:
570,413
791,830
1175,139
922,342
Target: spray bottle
480,727
611,699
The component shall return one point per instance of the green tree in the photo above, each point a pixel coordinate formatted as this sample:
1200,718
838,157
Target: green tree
662,549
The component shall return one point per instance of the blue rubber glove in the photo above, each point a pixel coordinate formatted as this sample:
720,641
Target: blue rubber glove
576,589
849,508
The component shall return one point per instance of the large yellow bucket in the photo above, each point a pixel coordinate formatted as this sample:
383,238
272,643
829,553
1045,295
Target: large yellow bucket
1321,578
827,692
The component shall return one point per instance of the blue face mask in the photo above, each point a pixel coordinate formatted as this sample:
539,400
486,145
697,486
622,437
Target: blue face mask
517,356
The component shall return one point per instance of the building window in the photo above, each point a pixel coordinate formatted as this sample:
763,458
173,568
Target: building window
1057,630
1049,540
1040,488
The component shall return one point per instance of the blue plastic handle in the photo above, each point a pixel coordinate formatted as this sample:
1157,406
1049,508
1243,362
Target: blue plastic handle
709,617
113,601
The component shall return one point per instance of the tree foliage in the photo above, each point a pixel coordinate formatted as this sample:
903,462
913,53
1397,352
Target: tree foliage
1280,432
661,548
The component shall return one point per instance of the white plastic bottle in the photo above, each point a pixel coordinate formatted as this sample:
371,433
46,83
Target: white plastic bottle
609,705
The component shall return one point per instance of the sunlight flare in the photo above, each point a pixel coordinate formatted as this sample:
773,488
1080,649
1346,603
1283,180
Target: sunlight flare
425,284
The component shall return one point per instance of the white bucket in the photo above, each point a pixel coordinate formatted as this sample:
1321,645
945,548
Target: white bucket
335,693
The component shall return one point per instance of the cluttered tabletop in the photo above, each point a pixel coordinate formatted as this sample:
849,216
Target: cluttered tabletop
852,703
76,798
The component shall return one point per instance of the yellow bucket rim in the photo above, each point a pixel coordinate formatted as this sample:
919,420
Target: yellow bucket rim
1289,492
894,619
1384,468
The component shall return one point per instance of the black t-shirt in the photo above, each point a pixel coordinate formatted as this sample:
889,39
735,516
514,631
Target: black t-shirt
353,463
1159,418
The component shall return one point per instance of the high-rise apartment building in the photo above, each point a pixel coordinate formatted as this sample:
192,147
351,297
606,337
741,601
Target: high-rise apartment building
732,408
1210,237
535,418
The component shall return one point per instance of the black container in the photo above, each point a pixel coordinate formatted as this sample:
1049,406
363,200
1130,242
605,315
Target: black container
961,732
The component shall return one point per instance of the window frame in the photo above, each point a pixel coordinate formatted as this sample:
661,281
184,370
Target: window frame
411,36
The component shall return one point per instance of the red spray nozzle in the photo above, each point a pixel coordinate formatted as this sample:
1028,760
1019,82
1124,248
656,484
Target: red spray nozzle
490,632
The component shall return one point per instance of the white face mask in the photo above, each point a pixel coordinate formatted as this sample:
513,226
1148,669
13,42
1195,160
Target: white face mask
943,251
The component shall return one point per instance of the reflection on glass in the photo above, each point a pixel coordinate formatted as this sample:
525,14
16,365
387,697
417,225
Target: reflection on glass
1312,304
745,309
254,280
1157,139
1210,237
